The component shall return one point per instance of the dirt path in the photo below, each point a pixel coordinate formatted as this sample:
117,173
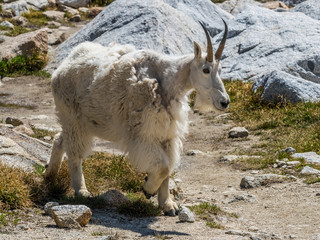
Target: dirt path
288,210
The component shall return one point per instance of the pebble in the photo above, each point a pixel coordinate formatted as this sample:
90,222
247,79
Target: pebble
48,206
238,132
185,214
47,138
13,121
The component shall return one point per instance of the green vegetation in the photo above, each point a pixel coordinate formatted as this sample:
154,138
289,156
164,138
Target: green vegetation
36,19
41,133
278,126
208,212
22,65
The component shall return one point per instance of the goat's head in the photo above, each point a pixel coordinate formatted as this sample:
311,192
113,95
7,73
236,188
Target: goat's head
205,75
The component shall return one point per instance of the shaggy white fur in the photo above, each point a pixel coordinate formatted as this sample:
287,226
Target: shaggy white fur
136,99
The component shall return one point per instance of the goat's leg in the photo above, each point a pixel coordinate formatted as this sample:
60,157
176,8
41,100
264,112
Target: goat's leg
52,168
165,202
77,146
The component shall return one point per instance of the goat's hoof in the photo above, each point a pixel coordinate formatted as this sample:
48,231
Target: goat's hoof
172,212
84,193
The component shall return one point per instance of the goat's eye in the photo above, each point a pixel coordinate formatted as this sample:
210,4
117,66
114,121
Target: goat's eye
206,70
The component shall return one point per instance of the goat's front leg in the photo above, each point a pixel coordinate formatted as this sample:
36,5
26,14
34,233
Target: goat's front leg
165,202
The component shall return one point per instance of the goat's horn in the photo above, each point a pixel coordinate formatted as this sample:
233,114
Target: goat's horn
209,45
219,51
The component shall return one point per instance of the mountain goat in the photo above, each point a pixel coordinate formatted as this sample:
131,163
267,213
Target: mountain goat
135,98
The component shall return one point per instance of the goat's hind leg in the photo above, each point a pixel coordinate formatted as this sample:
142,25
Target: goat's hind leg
52,168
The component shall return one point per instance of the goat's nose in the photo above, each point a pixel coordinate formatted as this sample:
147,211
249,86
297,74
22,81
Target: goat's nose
225,103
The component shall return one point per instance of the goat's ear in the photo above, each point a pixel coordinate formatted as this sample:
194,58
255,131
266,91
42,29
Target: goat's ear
197,50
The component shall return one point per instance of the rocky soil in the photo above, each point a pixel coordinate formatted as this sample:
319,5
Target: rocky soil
284,210
287,210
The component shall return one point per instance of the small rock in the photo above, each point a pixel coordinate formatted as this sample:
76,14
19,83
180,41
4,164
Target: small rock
48,207
253,229
73,3
275,5
13,121
293,163
54,15
57,37
251,182
281,163
309,171
185,214
68,10
5,23
238,233
114,198
54,24
244,198
228,158
178,180
289,150
93,12
24,130
193,152
71,216
76,18
238,132
47,138
83,10
309,157
7,79
20,21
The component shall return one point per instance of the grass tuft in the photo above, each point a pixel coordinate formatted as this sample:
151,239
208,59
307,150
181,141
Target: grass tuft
208,212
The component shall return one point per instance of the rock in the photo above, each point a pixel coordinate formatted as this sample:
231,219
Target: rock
83,10
68,10
310,8
109,237
255,47
56,37
48,207
293,163
7,79
193,152
20,21
275,5
157,27
7,24
76,18
114,198
289,150
292,3
51,3
18,7
279,86
13,121
94,11
47,138
38,4
24,130
238,132
53,24
71,216
237,6
19,150
309,171
309,157
260,180
185,214
25,44
74,3
244,198
54,15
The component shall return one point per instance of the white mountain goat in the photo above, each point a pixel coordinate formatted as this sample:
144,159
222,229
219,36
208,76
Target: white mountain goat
135,98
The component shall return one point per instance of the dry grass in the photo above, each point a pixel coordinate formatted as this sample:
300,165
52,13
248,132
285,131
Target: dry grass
279,126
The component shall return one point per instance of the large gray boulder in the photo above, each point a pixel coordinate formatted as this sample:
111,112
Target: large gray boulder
74,3
165,26
280,86
310,8
17,7
38,4
263,40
